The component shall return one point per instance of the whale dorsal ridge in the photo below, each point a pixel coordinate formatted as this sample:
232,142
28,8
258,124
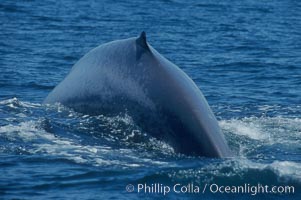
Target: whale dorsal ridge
141,41
142,46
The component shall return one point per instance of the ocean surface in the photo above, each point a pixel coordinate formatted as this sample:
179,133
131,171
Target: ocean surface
245,56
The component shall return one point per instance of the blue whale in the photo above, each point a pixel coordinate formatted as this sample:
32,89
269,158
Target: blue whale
131,76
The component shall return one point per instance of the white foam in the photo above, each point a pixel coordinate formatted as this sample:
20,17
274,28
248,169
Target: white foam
42,142
284,170
269,130
9,101
25,131
246,128
14,103
287,169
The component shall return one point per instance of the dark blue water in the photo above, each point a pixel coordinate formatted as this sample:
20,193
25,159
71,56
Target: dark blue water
245,56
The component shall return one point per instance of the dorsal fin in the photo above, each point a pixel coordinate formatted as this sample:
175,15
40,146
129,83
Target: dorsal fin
141,41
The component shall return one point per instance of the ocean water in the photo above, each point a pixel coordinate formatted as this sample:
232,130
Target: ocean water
245,56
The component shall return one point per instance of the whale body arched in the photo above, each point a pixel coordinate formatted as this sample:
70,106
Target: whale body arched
130,75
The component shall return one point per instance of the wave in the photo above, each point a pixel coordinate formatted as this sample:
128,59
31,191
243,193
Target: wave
256,134
239,171
264,146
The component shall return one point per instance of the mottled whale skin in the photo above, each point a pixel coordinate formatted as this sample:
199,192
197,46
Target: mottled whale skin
130,75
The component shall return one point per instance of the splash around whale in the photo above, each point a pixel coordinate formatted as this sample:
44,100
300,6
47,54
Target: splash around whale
130,76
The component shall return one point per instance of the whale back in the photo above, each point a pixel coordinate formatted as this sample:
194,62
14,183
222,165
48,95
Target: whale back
130,75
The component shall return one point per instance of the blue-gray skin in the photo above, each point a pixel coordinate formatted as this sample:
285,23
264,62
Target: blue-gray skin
129,75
